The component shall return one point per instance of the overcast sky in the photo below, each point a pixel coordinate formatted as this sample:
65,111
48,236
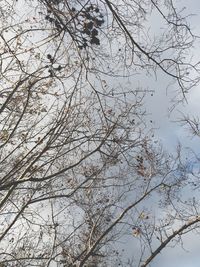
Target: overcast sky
158,105
170,133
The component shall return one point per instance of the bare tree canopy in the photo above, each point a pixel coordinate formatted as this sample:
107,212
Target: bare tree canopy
78,162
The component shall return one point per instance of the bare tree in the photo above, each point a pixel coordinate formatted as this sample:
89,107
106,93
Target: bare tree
78,163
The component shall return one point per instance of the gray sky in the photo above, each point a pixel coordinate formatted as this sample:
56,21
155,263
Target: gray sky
170,132
175,257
